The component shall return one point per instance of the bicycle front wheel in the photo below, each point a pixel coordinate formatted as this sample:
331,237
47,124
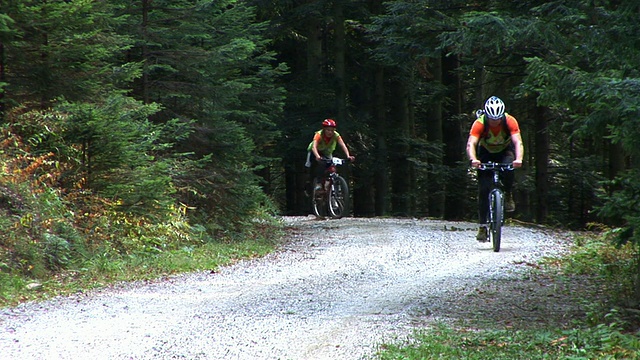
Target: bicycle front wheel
339,198
319,202
497,212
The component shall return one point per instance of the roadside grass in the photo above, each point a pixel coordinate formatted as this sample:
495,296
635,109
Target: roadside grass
608,331
105,269
444,342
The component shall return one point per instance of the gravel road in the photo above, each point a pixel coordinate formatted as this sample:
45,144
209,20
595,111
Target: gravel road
334,291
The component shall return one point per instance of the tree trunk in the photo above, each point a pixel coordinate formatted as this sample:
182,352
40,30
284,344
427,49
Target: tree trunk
340,67
542,164
381,156
146,5
400,165
370,171
436,182
617,162
291,188
454,144
314,49
381,164
296,175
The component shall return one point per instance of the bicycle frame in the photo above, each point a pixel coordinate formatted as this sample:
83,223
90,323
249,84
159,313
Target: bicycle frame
496,201
333,199
496,192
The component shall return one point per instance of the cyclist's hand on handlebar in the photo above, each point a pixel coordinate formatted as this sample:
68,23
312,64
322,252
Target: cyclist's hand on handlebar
475,163
517,163
351,158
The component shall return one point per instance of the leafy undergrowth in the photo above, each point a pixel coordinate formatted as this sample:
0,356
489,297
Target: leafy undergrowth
583,297
60,235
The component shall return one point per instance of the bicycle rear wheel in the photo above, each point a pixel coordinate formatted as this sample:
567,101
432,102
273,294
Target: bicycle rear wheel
497,212
339,198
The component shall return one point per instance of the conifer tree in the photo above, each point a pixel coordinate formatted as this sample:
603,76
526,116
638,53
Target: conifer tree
206,63
58,49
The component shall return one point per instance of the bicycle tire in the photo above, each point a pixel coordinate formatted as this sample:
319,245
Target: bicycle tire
497,213
339,198
318,202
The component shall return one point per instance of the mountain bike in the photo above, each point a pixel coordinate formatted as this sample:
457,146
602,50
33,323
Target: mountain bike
496,202
331,198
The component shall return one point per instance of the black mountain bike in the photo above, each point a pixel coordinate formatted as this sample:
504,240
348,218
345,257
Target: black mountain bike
496,202
331,198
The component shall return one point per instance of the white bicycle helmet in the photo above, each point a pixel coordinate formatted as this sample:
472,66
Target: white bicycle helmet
494,108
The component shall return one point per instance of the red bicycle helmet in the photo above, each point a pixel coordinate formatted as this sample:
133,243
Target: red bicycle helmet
329,123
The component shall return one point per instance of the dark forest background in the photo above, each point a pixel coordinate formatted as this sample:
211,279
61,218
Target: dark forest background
155,123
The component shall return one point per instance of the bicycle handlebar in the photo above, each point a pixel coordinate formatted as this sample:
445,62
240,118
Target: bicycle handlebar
334,160
495,166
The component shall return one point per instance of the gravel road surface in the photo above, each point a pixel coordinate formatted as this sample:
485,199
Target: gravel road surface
334,291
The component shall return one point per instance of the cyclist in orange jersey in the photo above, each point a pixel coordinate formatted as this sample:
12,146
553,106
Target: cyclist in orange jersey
494,136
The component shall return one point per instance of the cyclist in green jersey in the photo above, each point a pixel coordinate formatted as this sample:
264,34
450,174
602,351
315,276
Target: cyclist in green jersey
323,145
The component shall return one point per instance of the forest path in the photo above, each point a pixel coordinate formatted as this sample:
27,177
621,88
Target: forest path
334,291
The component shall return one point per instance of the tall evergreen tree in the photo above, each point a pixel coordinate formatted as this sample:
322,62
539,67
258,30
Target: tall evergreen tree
58,49
206,62
316,39
407,36
596,84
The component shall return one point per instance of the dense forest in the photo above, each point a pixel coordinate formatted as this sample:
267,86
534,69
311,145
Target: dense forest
175,121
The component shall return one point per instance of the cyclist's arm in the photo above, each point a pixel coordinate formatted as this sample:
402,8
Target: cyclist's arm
516,139
472,144
344,148
314,148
